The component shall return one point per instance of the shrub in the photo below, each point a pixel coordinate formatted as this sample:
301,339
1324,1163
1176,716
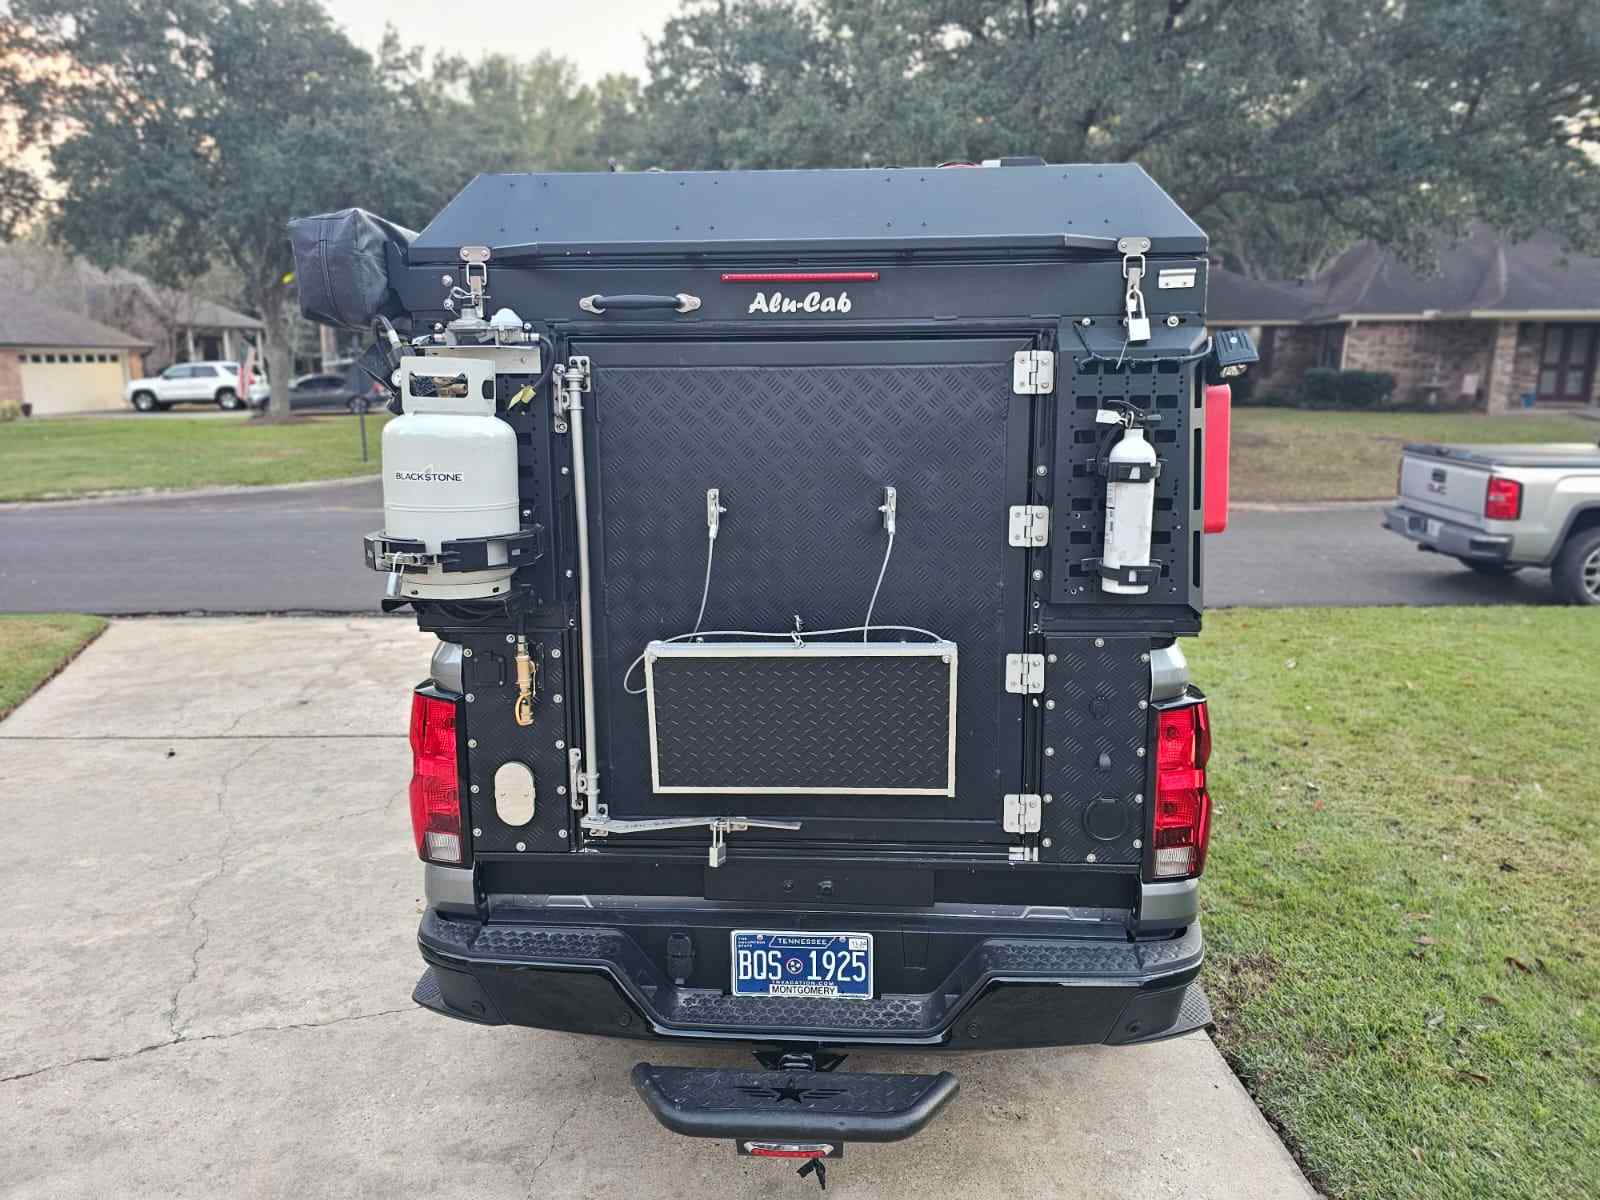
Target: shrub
1326,388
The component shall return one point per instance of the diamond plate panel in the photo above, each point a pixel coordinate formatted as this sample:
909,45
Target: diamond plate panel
1078,516
820,722
801,454
1093,736
490,677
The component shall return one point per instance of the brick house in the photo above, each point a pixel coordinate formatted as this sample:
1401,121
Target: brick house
1500,325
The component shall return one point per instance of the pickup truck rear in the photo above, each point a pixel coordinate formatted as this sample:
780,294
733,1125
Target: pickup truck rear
1499,509
808,553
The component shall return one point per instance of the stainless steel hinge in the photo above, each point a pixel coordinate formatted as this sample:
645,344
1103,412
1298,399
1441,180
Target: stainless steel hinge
1030,525
1033,372
1025,674
1021,813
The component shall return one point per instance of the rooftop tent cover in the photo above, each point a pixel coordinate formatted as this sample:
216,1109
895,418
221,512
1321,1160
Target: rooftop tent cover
1077,207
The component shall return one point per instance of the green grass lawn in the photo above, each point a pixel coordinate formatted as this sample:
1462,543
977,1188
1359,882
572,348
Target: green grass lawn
1287,455
59,458
32,649
1403,892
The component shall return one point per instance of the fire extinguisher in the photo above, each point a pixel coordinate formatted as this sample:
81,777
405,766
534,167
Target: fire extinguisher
1131,469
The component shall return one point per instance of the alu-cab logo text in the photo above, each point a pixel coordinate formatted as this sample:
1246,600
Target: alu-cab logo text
811,302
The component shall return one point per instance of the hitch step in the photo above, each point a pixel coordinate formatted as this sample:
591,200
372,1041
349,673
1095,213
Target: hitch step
800,1106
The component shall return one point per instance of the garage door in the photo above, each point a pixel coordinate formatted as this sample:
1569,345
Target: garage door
69,386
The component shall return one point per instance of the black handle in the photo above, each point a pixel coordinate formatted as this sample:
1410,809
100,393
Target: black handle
598,304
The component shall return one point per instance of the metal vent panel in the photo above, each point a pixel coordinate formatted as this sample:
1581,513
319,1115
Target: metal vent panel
821,718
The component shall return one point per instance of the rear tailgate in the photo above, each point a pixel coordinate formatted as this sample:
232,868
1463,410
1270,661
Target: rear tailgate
1435,481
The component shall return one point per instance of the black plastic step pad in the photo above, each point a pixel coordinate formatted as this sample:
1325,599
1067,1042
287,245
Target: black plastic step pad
803,1105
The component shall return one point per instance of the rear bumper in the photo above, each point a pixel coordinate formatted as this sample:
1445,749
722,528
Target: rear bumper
1447,537
1005,989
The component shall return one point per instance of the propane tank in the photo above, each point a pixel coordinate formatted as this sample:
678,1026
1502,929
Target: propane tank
450,473
1130,509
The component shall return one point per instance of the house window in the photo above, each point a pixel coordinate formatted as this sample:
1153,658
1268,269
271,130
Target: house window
1567,363
1330,352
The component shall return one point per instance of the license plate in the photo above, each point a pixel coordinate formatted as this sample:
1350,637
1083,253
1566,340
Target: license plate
828,966
1434,528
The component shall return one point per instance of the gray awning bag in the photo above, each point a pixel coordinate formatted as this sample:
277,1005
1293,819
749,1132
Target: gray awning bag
341,264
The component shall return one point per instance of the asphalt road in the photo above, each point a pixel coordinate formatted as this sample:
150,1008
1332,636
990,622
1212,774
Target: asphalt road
299,550
210,957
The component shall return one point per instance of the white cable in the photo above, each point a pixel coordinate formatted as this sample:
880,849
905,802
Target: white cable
866,627
705,591
781,634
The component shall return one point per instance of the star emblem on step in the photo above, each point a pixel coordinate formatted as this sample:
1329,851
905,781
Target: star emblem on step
789,1090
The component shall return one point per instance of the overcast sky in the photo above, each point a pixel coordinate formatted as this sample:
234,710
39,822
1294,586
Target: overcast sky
597,35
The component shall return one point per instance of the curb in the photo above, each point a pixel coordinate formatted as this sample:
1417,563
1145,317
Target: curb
136,494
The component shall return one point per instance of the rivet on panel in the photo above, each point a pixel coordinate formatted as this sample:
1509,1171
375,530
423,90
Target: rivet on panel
474,789
556,699
472,743
1140,751
522,845
1049,751
1047,843
467,653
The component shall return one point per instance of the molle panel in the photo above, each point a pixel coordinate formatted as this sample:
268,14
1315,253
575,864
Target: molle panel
1078,516
489,720
1094,731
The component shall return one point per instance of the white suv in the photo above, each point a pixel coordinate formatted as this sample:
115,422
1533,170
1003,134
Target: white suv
195,383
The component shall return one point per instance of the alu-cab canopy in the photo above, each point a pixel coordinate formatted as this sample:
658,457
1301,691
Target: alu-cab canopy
1081,207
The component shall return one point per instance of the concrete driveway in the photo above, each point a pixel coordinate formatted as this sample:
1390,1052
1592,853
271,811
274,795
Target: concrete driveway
209,906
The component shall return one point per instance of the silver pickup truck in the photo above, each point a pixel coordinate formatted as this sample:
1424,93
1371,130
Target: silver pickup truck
1502,508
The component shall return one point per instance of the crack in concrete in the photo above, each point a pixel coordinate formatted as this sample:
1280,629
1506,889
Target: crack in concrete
185,1039
561,1126
223,850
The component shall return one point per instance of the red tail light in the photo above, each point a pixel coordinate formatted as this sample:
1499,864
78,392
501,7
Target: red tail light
1219,433
1181,823
435,780
1503,502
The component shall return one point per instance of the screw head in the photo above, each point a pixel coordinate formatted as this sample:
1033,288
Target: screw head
472,743
1099,643
560,744
511,637
555,652
1138,798
562,834
566,470
522,845
1144,658
467,653
1086,321
1143,704
1049,751
470,697
1049,703
1038,575
561,789
1047,843
1138,843
1047,798
1140,751
1041,469
1050,658
1089,857
556,698
446,280
569,572
1172,321
477,833
474,789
